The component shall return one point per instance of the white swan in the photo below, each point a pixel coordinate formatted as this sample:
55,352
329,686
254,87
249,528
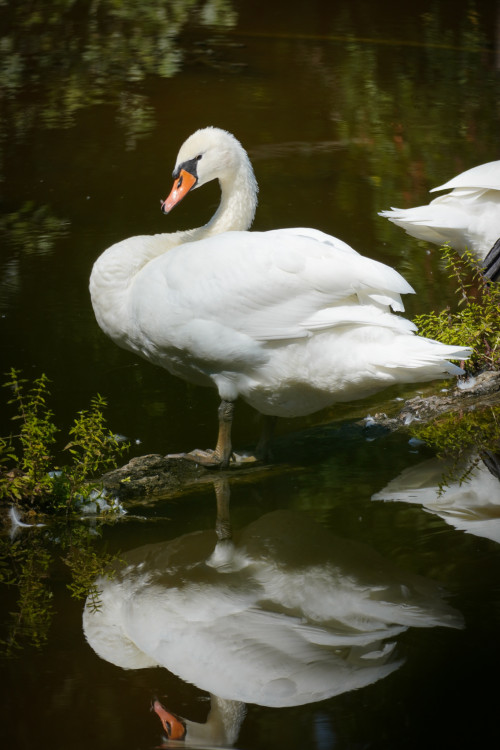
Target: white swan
467,218
290,320
284,615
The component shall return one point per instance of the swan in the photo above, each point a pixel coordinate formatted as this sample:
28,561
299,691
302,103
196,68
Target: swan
289,320
280,614
467,218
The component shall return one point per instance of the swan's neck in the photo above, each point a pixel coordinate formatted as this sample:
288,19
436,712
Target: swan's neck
236,210
223,723
115,270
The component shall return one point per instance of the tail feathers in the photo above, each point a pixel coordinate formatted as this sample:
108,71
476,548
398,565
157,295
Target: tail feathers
430,358
442,353
413,222
446,225
429,223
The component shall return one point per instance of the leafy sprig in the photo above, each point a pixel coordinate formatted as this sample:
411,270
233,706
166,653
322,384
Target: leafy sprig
475,322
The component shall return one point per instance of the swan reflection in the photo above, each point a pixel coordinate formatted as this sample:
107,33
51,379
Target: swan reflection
283,614
466,496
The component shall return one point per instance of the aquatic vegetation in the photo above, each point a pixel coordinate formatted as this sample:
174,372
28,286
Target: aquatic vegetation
35,486
476,322
29,480
26,567
86,565
33,229
29,475
27,564
463,439
457,434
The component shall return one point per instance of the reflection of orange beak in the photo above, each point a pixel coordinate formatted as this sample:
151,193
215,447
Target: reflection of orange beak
182,186
172,725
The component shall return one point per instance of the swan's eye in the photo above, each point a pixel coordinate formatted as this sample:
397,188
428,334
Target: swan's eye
199,157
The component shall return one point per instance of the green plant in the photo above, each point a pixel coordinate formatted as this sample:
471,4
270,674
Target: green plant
7,458
476,323
94,450
36,437
33,480
30,479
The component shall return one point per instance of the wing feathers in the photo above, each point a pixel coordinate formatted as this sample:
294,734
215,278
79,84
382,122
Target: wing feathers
312,281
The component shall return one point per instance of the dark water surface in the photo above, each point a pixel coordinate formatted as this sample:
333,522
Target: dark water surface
346,108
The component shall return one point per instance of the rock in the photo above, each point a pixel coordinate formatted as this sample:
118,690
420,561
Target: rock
144,476
476,393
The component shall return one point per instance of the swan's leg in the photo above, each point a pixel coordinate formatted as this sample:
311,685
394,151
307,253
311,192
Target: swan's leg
223,495
221,456
223,449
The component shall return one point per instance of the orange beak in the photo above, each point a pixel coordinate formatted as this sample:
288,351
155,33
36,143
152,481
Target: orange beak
182,185
173,726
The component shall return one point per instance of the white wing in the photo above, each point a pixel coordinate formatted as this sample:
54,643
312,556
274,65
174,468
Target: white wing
483,176
268,286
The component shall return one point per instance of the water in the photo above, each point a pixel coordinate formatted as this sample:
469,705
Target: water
345,109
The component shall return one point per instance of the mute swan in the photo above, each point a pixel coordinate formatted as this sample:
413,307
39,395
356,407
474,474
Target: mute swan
290,320
285,614
467,218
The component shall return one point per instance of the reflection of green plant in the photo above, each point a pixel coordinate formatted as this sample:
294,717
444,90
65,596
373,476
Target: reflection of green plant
457,434
86,565
27,567
463,439
79,58
34,480
33,229
477,323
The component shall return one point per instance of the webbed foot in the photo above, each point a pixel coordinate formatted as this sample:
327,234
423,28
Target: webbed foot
212,460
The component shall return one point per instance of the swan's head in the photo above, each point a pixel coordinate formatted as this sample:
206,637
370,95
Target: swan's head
208,154
220,729
174,726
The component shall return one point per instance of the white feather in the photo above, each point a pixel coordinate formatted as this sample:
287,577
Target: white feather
467,218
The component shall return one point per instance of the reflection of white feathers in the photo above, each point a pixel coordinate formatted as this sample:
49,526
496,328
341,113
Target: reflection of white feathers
469,500
466,218
16,523
300,617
